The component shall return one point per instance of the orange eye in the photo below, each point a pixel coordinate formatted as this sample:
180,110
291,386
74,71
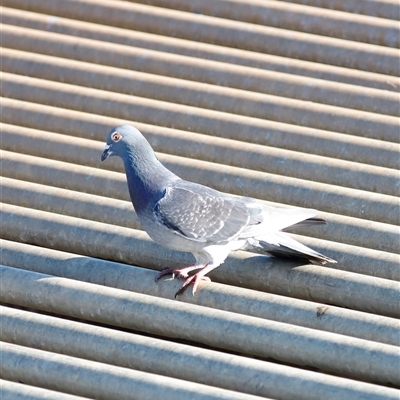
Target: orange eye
116,136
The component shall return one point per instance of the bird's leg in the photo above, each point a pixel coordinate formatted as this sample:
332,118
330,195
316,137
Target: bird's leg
182,273
196,278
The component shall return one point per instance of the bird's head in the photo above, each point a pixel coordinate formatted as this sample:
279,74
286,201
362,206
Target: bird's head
123,140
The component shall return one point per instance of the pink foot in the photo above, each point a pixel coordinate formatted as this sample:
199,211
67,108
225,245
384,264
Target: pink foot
181,273
192,279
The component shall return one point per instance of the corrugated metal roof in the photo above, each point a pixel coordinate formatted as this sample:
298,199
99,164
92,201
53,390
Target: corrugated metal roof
293,103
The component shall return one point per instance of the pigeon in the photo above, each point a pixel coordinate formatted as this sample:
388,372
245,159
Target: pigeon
191,217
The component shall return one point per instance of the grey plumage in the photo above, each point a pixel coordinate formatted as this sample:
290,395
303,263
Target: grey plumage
191,217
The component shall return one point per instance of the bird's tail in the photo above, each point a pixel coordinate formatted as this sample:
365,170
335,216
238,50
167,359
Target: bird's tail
307,222
283,245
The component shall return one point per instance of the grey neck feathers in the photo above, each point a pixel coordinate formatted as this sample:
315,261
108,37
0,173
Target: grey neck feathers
147,178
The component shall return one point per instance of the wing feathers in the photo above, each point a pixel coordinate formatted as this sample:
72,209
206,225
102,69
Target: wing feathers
200,213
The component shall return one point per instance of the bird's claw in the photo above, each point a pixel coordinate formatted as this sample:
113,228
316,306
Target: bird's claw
187,282
178,273
192,279
183,273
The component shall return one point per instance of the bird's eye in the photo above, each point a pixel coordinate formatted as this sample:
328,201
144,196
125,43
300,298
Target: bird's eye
116,136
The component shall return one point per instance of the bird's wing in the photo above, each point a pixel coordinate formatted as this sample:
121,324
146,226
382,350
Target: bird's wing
200,213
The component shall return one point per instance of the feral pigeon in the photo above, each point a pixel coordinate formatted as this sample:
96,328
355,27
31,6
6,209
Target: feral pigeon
190,217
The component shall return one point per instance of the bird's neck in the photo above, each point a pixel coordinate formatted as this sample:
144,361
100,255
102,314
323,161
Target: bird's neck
147,178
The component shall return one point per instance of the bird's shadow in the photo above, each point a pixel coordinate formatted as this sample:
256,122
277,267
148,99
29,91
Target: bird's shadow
257,272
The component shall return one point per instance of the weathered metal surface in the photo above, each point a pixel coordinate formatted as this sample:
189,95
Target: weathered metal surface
294,103
154,355
200,50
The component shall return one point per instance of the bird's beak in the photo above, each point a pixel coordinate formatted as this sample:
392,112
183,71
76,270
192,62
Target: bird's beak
106,153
